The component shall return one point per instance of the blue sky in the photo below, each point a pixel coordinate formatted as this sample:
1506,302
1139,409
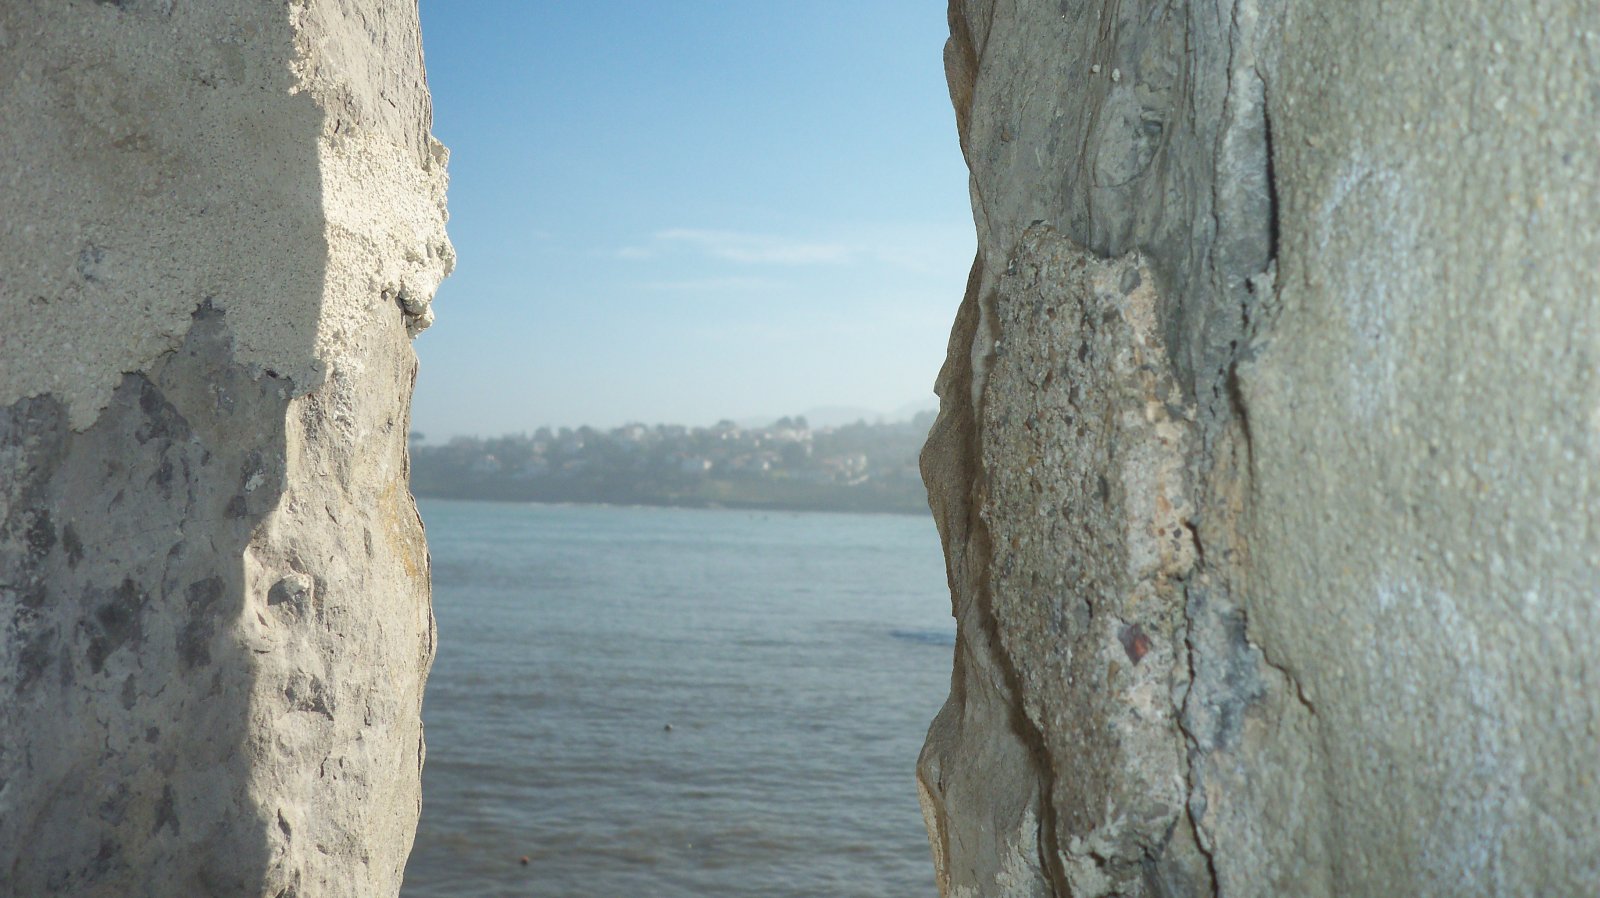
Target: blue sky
686,211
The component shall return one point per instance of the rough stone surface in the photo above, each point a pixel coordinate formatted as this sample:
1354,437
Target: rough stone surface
1264,458
223,223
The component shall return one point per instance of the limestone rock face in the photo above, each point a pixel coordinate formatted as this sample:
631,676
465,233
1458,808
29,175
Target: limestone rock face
1264,457
224,222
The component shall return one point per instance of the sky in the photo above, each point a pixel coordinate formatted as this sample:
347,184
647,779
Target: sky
688,210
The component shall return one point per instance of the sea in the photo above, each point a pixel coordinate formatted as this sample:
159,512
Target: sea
678,702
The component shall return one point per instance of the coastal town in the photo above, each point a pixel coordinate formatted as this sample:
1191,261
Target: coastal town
870,467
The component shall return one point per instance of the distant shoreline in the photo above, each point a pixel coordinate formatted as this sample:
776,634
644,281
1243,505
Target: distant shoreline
869,468
738,504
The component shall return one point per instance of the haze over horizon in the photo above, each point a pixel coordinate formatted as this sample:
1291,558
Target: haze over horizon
688,214
816,417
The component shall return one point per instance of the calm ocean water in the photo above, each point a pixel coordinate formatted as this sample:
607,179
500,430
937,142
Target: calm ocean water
798,659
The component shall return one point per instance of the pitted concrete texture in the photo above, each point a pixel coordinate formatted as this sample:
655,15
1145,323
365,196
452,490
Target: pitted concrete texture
1365,316
1088,538
1084,540
224,223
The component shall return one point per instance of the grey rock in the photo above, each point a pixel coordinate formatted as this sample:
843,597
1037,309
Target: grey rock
214,604
1290,606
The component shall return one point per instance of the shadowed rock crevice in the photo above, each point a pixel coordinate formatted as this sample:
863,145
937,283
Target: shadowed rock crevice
981,767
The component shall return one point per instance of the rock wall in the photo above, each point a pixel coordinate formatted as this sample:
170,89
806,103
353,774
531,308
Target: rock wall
1265,459
224,222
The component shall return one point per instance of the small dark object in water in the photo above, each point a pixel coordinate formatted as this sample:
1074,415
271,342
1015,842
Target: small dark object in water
925,637
667,728
524,861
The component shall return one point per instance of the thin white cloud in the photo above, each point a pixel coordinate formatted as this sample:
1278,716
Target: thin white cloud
917,250
921,250
758,249
717,285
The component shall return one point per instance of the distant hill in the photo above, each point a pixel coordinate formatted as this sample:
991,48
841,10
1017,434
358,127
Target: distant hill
841,415
792,463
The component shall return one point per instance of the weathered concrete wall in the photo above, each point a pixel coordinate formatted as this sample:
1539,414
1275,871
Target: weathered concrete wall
1264,459
223,223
